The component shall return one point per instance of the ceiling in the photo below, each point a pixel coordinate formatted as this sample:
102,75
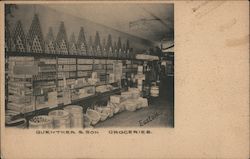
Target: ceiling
152,21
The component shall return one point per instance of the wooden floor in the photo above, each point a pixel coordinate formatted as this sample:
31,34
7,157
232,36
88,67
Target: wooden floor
160,113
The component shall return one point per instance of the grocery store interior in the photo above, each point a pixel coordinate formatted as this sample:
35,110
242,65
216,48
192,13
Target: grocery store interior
89,65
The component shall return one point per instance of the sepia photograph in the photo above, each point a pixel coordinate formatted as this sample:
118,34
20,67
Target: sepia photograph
89,65
124,79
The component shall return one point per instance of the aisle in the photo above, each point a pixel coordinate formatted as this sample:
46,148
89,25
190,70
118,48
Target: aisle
160,111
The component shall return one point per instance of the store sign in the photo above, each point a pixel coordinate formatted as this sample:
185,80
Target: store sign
25,69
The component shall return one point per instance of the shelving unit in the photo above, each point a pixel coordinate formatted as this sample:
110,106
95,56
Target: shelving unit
62,69
53,65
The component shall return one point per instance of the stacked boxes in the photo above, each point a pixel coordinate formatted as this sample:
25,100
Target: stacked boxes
20,88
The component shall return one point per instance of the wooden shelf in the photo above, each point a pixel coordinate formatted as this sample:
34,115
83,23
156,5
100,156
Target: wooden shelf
63,56
29,115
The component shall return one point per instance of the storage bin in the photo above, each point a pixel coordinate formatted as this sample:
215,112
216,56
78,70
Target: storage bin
76,116
41,122
61,118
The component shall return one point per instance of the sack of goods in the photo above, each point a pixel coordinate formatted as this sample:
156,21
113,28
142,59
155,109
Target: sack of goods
115,106
41,122
143,102
154,91
87,121
103,111
76,116
130,105
93,115
61,118
135,93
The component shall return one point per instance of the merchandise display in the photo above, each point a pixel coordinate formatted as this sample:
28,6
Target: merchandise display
42,121
61,118
76,116
60,82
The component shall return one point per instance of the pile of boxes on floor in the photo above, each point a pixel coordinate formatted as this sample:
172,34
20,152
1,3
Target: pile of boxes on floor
129,100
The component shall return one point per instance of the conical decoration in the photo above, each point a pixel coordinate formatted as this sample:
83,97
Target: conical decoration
35,36
81,43
124,50
128,49
109,46
119,47
90,47
50,46
19,38
104,48
72,45
97,45
7,38
13,45
115,50
62,40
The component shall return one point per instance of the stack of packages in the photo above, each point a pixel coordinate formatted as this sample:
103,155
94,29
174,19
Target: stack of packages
20,89
132,100
129,100
45,91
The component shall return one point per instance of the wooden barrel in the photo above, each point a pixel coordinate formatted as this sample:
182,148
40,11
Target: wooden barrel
61,118
76,116
41,122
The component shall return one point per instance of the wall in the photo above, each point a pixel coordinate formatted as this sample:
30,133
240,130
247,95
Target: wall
51,18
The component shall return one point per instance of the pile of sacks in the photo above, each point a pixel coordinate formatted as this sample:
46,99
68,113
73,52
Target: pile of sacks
129,100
